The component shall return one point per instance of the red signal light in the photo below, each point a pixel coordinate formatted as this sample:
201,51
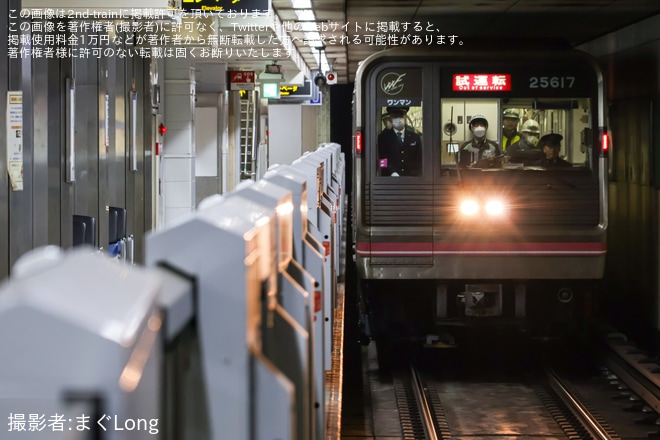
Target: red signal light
162,129
605,143
358,142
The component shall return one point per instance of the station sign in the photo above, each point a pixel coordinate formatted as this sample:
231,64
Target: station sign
225,5
241,80
295,91
316,101
118,7
270,90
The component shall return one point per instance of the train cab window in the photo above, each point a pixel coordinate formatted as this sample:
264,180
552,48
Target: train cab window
469,131
544,133
400,141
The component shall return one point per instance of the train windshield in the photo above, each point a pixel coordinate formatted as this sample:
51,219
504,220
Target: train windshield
426,118
547,133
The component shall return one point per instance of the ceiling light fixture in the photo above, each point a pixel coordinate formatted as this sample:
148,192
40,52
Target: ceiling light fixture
308,21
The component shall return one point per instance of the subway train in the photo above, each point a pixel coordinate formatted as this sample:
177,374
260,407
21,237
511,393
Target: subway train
455,231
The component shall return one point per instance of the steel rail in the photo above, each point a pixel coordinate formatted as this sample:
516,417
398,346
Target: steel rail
423,403
579,410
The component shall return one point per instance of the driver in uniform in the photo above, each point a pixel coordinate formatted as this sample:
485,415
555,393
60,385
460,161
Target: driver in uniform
399,147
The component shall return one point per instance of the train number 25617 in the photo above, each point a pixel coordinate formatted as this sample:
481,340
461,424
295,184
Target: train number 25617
551,82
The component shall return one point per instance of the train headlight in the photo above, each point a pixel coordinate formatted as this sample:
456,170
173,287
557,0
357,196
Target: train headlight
469,207
494,207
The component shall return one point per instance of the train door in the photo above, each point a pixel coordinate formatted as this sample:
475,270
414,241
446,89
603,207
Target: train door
399,193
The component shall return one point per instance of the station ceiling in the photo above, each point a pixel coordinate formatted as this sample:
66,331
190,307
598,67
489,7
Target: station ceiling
577,21
351,30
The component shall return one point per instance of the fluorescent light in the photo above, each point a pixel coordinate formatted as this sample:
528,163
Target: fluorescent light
305,14
301,4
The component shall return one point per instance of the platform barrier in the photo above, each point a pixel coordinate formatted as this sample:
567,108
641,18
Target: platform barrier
295,290
230,331
310,254
80,348
322,218
227,248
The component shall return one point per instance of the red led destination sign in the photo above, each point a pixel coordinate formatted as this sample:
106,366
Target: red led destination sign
481,82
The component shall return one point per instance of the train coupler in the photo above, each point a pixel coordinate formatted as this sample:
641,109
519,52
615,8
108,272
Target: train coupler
481,300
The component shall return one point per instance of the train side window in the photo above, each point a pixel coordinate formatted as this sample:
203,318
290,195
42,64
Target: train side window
400,141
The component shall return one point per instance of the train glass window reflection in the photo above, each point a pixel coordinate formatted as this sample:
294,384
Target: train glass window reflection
469,130
400,141
570,119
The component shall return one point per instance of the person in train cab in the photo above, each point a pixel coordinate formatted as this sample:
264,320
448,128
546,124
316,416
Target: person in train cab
551,144
510,134
480,146
526,150
399,147
387,120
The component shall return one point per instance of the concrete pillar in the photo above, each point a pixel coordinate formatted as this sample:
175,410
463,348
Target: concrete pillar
178,178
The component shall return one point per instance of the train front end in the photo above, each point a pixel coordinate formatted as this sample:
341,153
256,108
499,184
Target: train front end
504,228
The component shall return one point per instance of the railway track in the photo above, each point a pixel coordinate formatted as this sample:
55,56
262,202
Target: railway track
607,393
585,422
447,401
546,408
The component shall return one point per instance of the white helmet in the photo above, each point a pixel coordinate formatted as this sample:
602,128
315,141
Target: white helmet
478,118
531,126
